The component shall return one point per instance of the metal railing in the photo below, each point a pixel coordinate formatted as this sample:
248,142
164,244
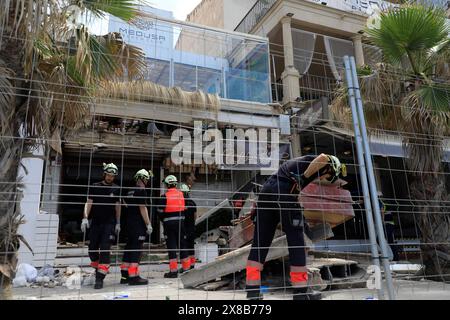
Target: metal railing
259,10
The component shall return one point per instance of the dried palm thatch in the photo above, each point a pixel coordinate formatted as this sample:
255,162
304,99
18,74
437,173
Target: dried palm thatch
146,91
380,91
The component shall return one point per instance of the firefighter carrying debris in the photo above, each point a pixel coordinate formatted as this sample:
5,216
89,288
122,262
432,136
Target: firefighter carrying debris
278,201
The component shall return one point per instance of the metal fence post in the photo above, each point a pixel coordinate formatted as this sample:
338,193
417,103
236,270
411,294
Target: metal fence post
372,184
362,169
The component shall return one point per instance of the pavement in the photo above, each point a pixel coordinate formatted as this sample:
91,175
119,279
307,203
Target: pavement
160,288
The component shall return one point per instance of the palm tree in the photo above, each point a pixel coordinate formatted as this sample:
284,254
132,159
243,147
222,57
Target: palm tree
409,93
50,69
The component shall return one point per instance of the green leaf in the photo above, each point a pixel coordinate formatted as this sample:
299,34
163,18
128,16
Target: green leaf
435,97
409,32
123,9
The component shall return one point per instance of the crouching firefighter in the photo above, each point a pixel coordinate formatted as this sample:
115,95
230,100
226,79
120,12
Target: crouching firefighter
171,210
278,201
103,207
190,215
138,227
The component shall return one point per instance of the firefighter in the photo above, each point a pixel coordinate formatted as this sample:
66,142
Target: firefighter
389,227
278,201
190,215
138,227
103,207
171,210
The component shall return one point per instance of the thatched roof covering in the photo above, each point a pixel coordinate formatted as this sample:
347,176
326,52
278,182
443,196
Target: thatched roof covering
147,91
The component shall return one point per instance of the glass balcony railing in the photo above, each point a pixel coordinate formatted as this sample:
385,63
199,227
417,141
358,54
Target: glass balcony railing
199,58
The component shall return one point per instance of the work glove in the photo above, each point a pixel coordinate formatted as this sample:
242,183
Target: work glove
117,228
84,225
149,229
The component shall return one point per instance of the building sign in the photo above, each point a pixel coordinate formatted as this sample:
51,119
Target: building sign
154,37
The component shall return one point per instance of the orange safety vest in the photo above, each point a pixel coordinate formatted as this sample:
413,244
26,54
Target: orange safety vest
174,201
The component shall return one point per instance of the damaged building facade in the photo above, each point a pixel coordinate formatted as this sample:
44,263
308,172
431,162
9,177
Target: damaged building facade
276,67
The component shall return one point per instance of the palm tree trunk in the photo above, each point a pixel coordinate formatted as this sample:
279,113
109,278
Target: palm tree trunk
434,224
10,153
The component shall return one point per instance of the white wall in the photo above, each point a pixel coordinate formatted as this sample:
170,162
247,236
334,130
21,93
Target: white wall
235,11
29,205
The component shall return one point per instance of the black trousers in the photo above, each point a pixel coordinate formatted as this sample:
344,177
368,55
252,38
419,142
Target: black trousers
190,237
175,238
390,239
100,238
136,235
275,204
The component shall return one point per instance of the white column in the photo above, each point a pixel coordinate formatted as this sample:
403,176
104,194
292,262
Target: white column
359,53
30,203
290,75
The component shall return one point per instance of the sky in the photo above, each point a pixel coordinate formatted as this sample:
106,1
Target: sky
180,8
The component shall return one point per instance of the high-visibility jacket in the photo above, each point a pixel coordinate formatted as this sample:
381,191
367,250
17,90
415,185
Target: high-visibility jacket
174,201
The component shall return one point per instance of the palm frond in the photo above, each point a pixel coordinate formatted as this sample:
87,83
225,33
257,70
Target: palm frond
426,113
6,99
381,91
410,31
129,58
123,9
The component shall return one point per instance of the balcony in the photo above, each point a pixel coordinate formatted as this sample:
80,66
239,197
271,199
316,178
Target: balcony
364,7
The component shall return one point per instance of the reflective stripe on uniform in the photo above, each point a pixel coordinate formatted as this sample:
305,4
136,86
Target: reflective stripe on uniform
103,268
299,279
186,263
173,218
94,264
253,273
173,265
133,270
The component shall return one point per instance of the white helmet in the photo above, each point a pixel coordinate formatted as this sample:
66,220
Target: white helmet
337,168
110,168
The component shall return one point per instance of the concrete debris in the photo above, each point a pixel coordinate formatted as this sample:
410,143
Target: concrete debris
406,268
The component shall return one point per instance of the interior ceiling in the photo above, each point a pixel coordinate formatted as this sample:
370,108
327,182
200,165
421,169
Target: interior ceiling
313,141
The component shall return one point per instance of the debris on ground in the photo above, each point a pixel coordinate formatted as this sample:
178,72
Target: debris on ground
25,274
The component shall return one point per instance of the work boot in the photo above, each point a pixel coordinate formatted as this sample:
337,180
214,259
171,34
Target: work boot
254,293
306,294
99,280
171,274
124,276
137,281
